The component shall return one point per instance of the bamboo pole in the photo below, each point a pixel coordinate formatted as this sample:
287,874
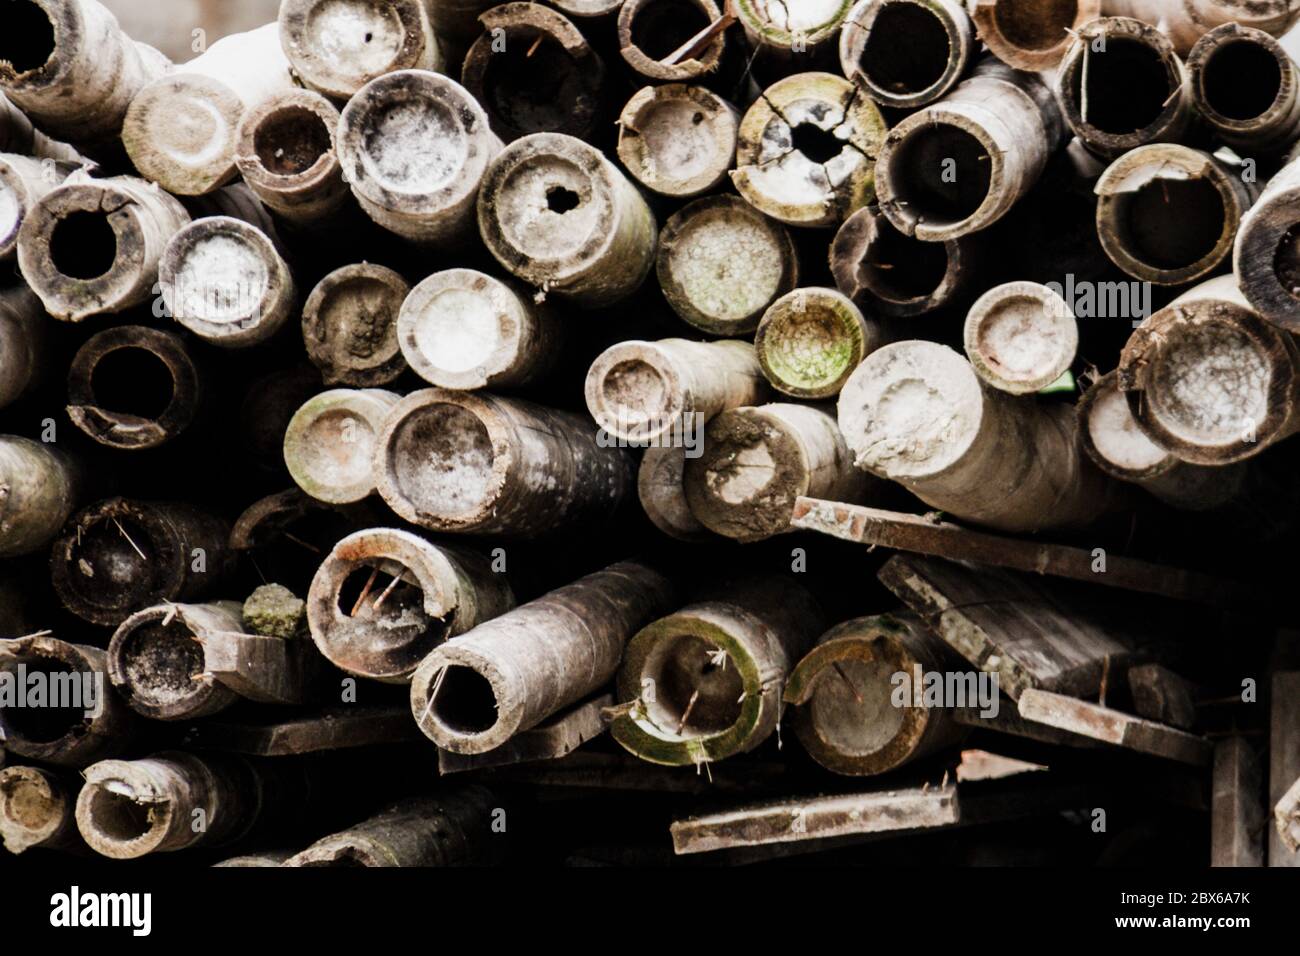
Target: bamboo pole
456,23
329,446
41,486
906,53
478,690
413,596
19,136
811,340
788,37
349,326
650,32
1266,254
660,487
36,810
678,140
1246,88
1020,337
1030,36
24,342
1187,22
24,181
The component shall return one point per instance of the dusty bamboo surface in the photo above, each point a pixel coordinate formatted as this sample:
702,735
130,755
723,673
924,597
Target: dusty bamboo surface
19,136
1032,37
90,247
91,72
788,37
556,213
1208,380
678,140
774,169
36,810
24,180
336,47
181,129
757,461
650,32
1187,22
1245,87
463,329
1020,337
67,736
916,413
263,859
120,556
843,688
414,147
41,487
349,325
106,369
706,682
721,263
477,463
429,593
907,53
810,341
959,164
476,691
588,8
661,489
24,342
643,391
1122,85
329,446
1266,258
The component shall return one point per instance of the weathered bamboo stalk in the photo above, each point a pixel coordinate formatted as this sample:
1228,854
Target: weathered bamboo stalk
534,72
1122,85
1266,255
284,151
1031,36
1246,88
24,180
90,247
651,32
707,680
80,719
329,447
757,461
453,828
226,282
1188,21
119,556
68,65
844,693
916,412
1168,214
478,690
555,212
133,387
906,53
663,495
40,487
959,164
463,329
642,392
36,810
722,263
811,340
807,148
263,859
593,9
23,342
20,137
788,37
472,462
678,140
1208,380
413,596
1021,337
338,46
414,147
180,131
349,325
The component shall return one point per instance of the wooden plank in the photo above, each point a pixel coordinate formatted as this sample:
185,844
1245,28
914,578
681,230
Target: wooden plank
1115,727
339,729
555,738
916,533
1161,695
1236,805
1284,737
1009,721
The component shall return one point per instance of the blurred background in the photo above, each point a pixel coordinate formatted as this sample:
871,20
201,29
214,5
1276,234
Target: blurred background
169,24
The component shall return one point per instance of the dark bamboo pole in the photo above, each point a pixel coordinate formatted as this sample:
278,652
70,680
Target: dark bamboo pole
906,53
1246,88
41,487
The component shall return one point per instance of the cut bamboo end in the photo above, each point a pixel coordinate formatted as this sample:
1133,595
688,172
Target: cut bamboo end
1031,37
41,486
722,263
663,496
477,691
414,146
285,153
757,461
36,810
651,31
118,557
534,72
437,593
462,329
87,248
807,149
906,53
226,282
650,392
1187,22
794,32
156,662
471,462
24,181
349,325
1135,89
1246,87
678,140
1169,214
1021,337
132,387
24,340
897,275
1209,380
329,446
1266,257
844,693
338,46
811,340
707,680
959,164
559,215
588,8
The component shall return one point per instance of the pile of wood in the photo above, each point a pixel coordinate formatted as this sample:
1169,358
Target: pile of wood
439,432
